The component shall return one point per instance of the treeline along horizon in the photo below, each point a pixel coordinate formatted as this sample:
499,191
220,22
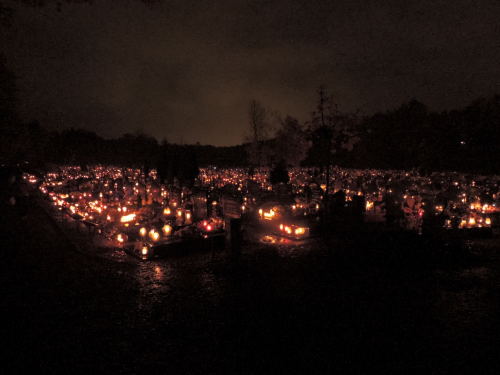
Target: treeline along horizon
410,136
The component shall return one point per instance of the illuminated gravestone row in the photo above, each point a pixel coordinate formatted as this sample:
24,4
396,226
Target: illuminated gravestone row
130,210
133,210
462,201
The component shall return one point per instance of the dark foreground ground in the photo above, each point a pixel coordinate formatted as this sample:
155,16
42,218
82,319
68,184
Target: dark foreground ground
358,305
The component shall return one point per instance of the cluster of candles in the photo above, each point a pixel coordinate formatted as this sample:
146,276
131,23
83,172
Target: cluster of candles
125,206
293,231
129,207
466,200
478,216
239,177
282,219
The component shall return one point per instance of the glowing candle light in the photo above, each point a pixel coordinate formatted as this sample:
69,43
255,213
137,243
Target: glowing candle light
127,218
167,230
300,231
154,235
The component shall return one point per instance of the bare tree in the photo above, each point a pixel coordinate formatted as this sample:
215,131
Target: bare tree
331,132
258,132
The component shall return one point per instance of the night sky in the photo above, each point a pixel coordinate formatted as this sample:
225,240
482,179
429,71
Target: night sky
186,70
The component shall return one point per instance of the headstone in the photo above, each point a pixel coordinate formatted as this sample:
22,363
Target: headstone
199,206
236,236
231,208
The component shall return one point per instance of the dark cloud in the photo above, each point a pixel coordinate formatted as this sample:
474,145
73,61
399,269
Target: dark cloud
186,70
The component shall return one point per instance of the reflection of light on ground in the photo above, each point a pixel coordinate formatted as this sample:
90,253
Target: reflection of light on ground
154,279
159,273
278,240
286,247
118,255
268,239
154,275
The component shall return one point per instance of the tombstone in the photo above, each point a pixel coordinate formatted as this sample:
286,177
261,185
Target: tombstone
358,208
253,187
316,193
200,211
236,235
283,191
231,208
338,202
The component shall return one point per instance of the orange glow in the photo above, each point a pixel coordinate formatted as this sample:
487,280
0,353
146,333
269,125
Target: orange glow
269,215
167,230
188,217
154,235
167,211
120,238
300,231
477,206
142,231
127,218
144,250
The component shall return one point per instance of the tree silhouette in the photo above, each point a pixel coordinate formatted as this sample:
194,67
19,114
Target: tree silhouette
279,174
330,132
258,131
291,144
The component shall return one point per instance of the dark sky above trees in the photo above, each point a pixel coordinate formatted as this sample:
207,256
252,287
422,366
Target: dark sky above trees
186,70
